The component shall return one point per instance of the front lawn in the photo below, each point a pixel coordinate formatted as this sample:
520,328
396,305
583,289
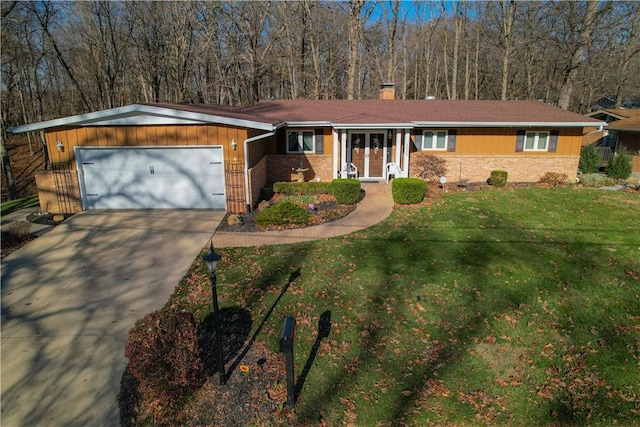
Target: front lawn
507,307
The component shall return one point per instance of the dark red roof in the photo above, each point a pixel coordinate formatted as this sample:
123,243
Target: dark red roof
352,112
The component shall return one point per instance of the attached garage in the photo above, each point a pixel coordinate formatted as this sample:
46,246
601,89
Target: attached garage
151,177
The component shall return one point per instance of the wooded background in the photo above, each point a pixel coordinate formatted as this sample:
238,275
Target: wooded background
65,58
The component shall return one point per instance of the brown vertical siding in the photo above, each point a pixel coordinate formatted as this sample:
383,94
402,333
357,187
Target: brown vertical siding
144,136
502,141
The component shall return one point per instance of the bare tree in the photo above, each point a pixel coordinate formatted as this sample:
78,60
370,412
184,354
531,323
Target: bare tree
507,13
581,27
359,13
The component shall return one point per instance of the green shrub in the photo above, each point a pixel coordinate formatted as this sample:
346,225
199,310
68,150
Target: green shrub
619,166
498,178
554,178
589,159
346,191
303,199
283,213
301,188
407,191
165,355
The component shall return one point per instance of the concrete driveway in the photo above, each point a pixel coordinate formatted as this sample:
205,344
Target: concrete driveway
69,299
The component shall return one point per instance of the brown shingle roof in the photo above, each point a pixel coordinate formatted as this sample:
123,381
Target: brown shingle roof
353,112
267,115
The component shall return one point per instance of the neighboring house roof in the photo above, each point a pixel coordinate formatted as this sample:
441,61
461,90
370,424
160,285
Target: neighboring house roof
353,114
619,119
607,102
629,124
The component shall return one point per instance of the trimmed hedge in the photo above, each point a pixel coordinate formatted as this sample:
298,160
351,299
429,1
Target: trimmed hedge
498,178
346,191
408,191
284,213
302,188
165,354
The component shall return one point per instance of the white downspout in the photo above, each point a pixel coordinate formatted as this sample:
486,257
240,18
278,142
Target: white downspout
246,163
398,147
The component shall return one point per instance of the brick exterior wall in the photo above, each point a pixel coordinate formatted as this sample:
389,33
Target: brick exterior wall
525,168
257,180
281,167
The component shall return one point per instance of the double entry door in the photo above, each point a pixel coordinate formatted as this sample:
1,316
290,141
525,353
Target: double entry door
368,152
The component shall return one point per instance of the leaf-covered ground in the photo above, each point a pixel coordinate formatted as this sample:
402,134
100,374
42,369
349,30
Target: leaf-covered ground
501,307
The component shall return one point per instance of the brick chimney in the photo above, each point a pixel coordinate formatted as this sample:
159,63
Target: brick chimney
387,91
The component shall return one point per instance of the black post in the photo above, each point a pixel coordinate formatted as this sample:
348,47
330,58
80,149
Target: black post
286,347
216,318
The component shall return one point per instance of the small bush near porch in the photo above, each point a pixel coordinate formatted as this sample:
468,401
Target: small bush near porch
513,307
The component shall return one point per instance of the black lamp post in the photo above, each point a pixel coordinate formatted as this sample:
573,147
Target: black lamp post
212,259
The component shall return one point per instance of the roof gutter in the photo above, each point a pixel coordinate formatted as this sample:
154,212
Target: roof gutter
509,124
246,162
129,115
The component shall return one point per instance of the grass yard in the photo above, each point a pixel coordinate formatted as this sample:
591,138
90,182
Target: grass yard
14,205
502,307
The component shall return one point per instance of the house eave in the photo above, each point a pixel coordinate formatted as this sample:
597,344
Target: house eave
137,114
508,124
373,125
308,124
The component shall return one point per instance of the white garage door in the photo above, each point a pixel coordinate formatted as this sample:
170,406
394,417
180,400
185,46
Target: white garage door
151,177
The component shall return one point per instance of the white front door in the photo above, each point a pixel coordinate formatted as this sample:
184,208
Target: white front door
151,177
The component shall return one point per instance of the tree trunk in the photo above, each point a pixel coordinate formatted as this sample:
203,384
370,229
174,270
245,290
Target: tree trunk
355,23
507,24
577,58
6,168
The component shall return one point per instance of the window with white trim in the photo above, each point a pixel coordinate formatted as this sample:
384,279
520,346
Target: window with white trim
536,141
300,142
434,140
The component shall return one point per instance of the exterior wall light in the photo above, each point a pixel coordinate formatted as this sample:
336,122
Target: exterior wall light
234,144
60,146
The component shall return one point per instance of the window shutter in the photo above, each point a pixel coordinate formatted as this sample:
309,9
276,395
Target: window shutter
417,140
553,141
282,142
451,140
520,140
319,141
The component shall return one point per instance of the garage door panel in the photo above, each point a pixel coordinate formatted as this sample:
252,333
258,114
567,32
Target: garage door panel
152,178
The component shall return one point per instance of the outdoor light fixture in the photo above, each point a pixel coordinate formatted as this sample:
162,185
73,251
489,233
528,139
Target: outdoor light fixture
234,144
212,259
59,145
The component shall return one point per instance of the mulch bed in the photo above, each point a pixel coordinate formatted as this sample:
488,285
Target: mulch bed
323,212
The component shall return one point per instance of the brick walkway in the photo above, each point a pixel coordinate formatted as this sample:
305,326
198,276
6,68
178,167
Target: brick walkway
376,205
